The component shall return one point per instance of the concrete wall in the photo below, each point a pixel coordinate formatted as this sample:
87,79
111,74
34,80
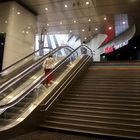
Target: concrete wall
20,31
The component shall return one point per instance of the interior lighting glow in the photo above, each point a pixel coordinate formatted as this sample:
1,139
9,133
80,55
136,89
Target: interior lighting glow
89,19
96,29
18,13
124,22
87,3
66,5
110,28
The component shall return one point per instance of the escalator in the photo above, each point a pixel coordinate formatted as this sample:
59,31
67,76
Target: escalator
19,66
18,111
28,75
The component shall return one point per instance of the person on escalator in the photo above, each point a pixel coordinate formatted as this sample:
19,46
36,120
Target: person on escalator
48,65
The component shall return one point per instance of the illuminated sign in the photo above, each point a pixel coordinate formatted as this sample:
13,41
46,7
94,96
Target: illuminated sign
108,49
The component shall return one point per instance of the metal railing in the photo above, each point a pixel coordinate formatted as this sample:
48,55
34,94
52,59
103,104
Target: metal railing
19,61
18,77
41,79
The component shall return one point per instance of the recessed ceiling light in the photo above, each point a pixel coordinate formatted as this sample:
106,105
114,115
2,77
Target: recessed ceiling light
74,21
87,3
6,21
46,8
110,28
105,18
61,22
124,22
96,29
89,20
83,30
47,24
66,5
85,38
70,31
18,13
27,32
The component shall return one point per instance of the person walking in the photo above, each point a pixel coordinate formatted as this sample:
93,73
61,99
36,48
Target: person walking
48,65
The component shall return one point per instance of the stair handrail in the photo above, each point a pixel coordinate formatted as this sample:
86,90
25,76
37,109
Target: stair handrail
5,69
19,76
38,82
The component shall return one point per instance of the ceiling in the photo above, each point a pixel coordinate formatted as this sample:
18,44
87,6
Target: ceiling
81,17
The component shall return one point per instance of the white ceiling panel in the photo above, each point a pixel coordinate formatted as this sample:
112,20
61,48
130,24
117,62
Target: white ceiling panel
90,15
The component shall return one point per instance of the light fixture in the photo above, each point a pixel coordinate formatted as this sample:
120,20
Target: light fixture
66,5
105,18
61,22
74,21
46,9
83,30
70,31
89,20
18,13
85,38
29,27
123,22
110,28
87,2
6,21
135,47
27,32
96,29
47,24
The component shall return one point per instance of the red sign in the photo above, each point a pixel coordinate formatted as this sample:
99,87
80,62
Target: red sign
108,50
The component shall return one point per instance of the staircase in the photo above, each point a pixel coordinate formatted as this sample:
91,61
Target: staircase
104,101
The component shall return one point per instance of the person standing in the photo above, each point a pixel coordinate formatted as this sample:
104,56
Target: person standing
48,65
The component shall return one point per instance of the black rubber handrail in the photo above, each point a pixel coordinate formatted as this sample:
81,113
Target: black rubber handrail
22,59
41,79
16,78
85,46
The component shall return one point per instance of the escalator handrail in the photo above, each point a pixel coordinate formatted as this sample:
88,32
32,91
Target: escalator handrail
85,46
21,74
22,59
37,83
